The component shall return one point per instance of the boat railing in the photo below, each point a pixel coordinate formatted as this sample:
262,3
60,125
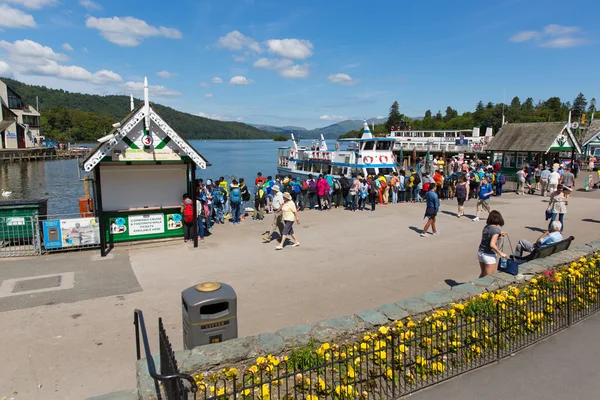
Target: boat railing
470,148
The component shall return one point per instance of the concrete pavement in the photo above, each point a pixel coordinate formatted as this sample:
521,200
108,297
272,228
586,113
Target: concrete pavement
564,366
347,262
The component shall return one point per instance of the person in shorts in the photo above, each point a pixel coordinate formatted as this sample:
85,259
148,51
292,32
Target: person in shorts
462,194
433,206
568,180
290,215
488,248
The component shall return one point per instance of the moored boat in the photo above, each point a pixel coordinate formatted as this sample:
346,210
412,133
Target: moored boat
365,156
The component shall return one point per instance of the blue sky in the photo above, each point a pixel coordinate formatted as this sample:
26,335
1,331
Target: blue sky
305,63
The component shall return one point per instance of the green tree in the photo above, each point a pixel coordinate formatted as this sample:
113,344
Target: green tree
579,106
394,117
592,107
450,113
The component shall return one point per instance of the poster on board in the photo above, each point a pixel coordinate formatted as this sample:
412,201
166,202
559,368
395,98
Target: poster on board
146,224
73,232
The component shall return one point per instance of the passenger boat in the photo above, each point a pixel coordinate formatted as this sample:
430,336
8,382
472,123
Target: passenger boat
365,156
459,140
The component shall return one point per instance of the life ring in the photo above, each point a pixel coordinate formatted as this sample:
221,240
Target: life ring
328,156
367,159
292,154
383,159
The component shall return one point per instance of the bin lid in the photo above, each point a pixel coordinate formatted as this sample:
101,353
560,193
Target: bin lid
208,287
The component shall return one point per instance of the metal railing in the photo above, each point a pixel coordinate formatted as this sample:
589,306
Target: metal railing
469,148
397,362
169,381
20,236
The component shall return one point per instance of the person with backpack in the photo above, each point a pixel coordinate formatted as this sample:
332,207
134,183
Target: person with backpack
416,181
383,189
200,215
353,193
312,192
337,193
373,191
303,194
394,186
363,193
245,197
260,202
402,187
235,200
260,179
296,191
462,193
500,181
187,212
218,203
323,193
483,203
345,184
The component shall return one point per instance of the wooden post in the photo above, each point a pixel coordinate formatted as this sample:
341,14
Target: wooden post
194,197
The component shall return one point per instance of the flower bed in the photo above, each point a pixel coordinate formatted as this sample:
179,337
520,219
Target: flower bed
409,355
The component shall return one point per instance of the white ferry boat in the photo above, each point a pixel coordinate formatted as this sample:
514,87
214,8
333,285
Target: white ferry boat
365,156
463,140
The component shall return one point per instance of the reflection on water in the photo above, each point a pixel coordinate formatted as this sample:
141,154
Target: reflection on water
58,181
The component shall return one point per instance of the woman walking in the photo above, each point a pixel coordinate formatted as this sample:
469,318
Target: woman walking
558,205
521,174
431,210
462,193
488,248
363,194
353,193
290,214
373,191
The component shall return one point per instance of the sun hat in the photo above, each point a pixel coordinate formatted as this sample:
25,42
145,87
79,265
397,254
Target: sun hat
288,196
275,187
208,182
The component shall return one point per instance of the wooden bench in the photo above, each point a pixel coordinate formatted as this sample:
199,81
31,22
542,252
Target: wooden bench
546,251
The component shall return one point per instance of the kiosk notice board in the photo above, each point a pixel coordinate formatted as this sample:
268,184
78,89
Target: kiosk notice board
143,224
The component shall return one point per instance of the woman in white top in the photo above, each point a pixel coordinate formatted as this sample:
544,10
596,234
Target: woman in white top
290,215
558,205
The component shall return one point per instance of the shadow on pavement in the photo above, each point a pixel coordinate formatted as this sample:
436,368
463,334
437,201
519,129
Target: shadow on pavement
533,228
452,282
591,220
453,214
414,228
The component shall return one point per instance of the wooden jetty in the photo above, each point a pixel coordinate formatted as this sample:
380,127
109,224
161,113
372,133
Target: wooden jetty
40,154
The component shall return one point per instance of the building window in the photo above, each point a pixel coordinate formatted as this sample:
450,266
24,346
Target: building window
31,120
14,100
7,115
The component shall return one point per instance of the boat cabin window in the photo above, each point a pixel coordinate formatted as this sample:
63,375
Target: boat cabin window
386,171
337,170
370,171
369,145
384,145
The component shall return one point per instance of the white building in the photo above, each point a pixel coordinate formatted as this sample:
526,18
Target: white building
19,122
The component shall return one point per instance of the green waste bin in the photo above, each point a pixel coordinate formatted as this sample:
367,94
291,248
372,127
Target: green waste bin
17,218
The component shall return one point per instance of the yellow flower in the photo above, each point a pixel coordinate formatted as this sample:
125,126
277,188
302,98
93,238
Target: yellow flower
421,361
383,330
399,324
357,361
533,281
366,338
261,360
312,397
437,367
246,392
383,355
264,390
363,346
389,373
351,373
321,384
402,349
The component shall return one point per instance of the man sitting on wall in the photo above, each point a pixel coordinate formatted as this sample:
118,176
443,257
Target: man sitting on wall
548,238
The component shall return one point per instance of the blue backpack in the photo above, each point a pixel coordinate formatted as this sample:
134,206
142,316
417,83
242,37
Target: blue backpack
235,195
218,197
296,187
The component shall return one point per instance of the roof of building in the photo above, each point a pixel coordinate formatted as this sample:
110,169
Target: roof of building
126,126
591,132
530,137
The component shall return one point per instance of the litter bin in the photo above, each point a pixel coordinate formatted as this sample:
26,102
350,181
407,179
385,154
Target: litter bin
209,312
16,218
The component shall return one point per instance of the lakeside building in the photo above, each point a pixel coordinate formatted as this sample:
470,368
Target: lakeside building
19,122
533,143
591,139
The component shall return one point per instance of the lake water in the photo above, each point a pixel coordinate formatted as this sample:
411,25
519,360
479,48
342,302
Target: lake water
58,180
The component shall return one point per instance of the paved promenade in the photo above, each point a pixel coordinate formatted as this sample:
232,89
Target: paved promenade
77,339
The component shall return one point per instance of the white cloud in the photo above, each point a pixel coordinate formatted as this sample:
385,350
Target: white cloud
221,117
155,90
236,40
25,51
209,95
380,117
239,58
129,31
291,48
333,117
33,4
272,63
5,70
239,80
31,58
166,74
13,18
342,79
217,80
204,84
90,5
85,50
295,71
552,35
67,47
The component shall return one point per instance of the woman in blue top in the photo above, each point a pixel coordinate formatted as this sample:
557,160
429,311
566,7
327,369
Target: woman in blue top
433,206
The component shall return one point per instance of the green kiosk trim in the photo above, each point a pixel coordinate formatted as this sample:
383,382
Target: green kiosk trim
143,224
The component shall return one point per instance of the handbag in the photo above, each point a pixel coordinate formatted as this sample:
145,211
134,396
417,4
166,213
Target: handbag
508,265
548,214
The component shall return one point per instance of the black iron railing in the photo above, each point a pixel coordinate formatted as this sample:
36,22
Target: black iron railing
169,378
403,359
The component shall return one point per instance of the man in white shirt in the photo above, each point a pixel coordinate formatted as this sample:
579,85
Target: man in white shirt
545,176
553,181
276,205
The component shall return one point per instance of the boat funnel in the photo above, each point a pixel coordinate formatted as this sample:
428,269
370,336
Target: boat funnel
294,144
475,132
323,145
367,133
488,132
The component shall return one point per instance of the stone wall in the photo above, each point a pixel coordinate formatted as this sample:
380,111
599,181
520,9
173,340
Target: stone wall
243,351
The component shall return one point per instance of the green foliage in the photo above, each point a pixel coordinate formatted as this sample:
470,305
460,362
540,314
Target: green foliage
394,117
280,138
102,109
303,357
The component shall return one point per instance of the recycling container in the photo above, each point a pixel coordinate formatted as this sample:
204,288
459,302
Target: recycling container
17,218
209,314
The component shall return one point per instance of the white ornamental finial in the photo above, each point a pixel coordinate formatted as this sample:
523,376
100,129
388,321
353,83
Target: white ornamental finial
146,103
131,105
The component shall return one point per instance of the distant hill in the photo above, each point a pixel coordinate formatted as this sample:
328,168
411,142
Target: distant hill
104,109
329,132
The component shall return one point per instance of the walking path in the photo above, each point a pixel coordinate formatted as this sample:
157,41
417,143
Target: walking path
564,366
75,342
